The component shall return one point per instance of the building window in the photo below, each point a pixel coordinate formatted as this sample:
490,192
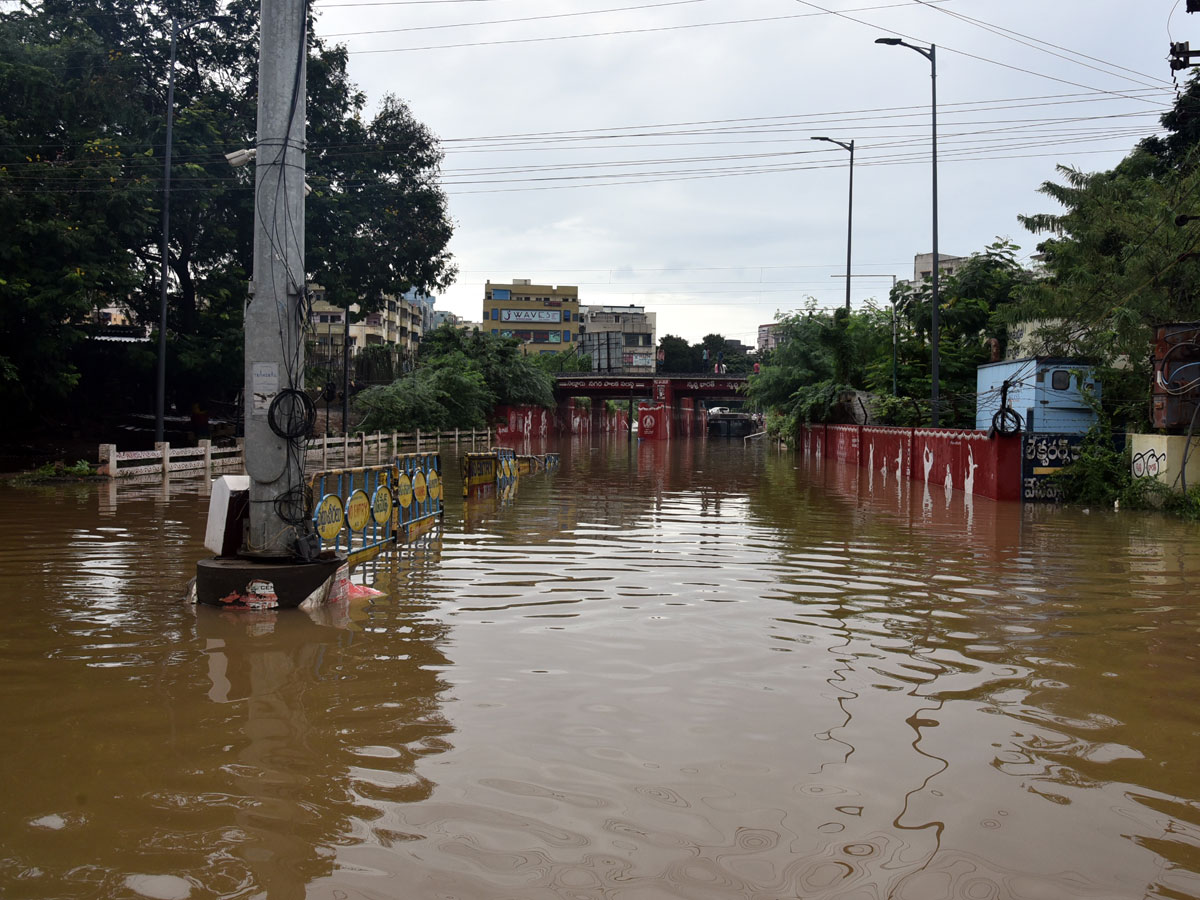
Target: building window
495,331
567,336
566,315
1060,380
495,314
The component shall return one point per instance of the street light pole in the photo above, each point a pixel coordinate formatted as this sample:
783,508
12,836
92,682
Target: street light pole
849,210
930,53
160,396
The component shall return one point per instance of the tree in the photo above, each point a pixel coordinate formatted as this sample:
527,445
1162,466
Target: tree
677,355
1115,262
85,100
459,379
72,203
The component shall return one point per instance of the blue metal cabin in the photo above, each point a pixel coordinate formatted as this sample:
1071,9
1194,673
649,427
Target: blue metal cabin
1044,391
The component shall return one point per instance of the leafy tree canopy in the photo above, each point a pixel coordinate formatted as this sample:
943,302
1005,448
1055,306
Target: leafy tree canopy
82,141
459,379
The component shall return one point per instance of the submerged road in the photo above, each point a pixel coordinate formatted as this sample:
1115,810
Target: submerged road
684,669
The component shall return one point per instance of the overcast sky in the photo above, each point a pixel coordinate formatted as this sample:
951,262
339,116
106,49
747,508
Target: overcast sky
658,153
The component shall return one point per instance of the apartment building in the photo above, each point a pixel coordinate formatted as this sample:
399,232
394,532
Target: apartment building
768,336
923,265
619,339
543,317
399,321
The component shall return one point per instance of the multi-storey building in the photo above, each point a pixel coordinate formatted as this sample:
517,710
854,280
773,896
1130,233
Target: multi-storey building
923,266
398,322
619,338
768,336
544,318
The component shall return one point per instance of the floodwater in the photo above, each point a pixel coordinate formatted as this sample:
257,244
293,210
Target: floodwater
691,670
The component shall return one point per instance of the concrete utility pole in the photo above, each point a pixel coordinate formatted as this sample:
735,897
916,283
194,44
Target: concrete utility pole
274,565
274,359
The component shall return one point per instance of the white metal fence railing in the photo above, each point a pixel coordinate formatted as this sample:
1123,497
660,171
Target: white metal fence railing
324,452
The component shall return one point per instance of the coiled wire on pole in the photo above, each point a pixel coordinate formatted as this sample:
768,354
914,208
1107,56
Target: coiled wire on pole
1006,421
291,416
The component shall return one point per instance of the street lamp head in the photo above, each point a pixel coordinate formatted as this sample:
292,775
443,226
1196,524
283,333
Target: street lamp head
892,41
239,158
821,138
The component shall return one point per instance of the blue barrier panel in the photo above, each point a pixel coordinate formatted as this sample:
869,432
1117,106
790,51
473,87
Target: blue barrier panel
353,510
419,490
507,468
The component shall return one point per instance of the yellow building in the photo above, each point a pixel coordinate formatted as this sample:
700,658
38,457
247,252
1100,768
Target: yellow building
544,318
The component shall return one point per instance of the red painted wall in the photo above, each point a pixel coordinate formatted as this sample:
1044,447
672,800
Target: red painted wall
842,441
887,449
956,459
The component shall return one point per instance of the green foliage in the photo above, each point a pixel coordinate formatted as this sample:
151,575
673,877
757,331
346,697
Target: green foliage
448,393
82,133
1102,476
81,469
677,355
1115,262
459,379
680,357
821,356
563,361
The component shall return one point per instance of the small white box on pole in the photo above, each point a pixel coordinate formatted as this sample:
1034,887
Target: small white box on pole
226,508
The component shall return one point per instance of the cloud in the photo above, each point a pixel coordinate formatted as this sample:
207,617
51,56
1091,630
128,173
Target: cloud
647,208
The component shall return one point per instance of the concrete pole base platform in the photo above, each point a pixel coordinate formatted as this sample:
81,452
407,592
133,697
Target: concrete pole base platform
233,583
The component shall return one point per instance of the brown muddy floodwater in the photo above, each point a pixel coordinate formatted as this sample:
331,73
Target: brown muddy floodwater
687,671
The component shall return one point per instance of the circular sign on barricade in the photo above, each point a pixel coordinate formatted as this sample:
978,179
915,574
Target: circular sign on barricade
404,491
358,510
329,517
435,485
381,505
419,489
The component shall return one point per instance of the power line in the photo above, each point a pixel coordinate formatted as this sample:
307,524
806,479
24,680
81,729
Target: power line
587,12
829,117
614,33
995,62
1025,39
594,180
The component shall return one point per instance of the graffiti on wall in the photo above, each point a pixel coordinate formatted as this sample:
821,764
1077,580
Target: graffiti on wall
1149,464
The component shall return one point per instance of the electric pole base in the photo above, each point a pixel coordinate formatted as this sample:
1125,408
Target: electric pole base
234,583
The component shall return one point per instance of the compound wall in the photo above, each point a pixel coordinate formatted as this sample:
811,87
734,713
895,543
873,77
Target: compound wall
957,459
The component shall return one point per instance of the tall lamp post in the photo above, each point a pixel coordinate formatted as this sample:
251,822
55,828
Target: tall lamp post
160,398
849,210
930,53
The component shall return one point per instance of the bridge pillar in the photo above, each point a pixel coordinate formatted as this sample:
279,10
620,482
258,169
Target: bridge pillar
654,418
686,417
565,414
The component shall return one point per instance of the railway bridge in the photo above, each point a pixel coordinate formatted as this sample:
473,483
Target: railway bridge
667,405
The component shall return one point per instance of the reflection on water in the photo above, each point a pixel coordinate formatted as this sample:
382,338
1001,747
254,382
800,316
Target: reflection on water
668,670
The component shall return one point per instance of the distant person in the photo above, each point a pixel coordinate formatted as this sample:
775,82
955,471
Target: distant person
756,368
723,369
716,368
